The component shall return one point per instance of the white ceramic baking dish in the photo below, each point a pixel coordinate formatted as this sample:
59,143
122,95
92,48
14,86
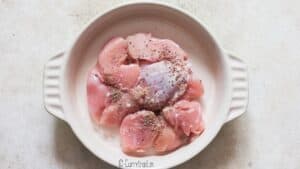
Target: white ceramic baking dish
224,77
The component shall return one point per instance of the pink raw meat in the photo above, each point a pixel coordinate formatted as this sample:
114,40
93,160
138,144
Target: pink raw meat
138,132
144,47
121,104
185,116
128,75
107,105
144,133
194,90
168,139
160,83
96,94
111,63
138,75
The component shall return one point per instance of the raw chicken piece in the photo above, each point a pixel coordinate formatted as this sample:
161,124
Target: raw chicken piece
142,46
114,53
111,63
194,90
107,105
138,132
159,83
121,104
168,140
185,116
96,94
144,133
128,75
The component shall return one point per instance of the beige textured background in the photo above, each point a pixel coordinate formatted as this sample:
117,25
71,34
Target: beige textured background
265,33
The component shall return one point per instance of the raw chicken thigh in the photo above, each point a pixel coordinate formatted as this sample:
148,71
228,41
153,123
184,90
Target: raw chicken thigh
167,139
185,116
111,63
97,94
107,105
144,86
143,46
138,132
160,82
121,104
194,90
144,133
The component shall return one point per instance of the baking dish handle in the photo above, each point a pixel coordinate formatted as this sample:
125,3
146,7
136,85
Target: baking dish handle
51,88
240,91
